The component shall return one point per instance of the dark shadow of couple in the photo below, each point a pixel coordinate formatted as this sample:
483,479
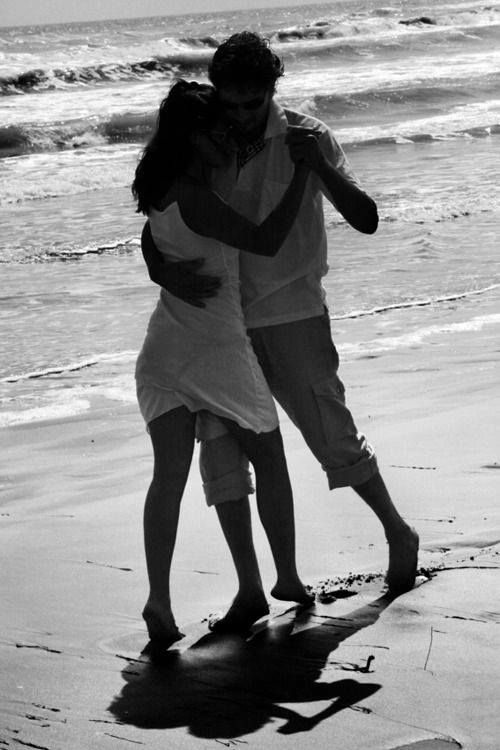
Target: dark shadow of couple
224,686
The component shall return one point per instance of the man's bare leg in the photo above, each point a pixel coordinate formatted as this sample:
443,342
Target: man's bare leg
402,539
275,506
250,603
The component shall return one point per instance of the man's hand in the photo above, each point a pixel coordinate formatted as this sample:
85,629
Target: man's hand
304,147
356,206
180,278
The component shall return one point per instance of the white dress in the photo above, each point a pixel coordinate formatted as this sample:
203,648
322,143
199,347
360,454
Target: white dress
201,358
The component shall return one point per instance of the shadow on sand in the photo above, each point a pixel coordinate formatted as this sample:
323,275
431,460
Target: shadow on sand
227,687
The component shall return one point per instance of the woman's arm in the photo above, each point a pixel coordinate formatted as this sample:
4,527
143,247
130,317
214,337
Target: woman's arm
207,214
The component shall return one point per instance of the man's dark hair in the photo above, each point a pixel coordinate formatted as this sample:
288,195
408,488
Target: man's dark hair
245,61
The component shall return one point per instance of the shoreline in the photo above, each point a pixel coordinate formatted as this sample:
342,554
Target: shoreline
74,580
415,316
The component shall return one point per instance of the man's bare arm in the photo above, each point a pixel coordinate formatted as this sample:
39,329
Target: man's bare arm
356,206
180,278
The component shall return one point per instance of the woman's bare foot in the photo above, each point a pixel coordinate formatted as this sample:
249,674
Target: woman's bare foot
241,615
162,630
293,591
403,558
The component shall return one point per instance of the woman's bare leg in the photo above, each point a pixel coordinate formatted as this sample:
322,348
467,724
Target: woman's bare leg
172,435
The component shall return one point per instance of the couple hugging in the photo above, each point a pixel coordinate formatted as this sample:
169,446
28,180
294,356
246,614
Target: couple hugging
232,185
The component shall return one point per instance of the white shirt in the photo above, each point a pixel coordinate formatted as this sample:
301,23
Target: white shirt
287,287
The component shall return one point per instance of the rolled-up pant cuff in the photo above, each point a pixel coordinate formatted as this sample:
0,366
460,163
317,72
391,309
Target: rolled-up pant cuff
350,476
232,486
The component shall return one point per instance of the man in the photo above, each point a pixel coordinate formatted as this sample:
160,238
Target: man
284,305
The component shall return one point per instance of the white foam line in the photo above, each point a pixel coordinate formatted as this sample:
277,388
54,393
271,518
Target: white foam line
413,303
376,346
132,353
44,413
69,368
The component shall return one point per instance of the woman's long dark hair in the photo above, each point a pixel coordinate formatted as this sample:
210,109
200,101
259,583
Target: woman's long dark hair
189,106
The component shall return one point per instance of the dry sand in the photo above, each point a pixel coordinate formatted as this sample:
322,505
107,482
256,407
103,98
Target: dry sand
74,583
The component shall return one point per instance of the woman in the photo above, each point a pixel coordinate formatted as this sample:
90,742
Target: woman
200,361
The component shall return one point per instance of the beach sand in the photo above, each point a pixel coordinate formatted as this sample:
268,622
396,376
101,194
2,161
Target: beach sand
74,581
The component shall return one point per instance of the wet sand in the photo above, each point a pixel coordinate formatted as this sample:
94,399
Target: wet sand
74,582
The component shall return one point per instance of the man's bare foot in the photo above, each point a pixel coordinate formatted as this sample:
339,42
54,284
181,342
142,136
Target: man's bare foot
403,557
162,629
293,591
241,615
157,648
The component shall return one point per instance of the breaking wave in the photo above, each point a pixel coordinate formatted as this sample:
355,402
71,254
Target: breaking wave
354,34
85,132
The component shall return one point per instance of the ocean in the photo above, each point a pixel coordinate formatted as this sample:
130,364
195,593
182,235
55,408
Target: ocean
411,90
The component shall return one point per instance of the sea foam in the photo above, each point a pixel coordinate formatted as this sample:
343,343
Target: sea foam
416,337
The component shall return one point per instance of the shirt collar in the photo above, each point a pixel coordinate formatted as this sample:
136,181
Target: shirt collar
277,123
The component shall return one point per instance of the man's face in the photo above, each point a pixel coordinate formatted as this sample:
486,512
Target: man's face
245,109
